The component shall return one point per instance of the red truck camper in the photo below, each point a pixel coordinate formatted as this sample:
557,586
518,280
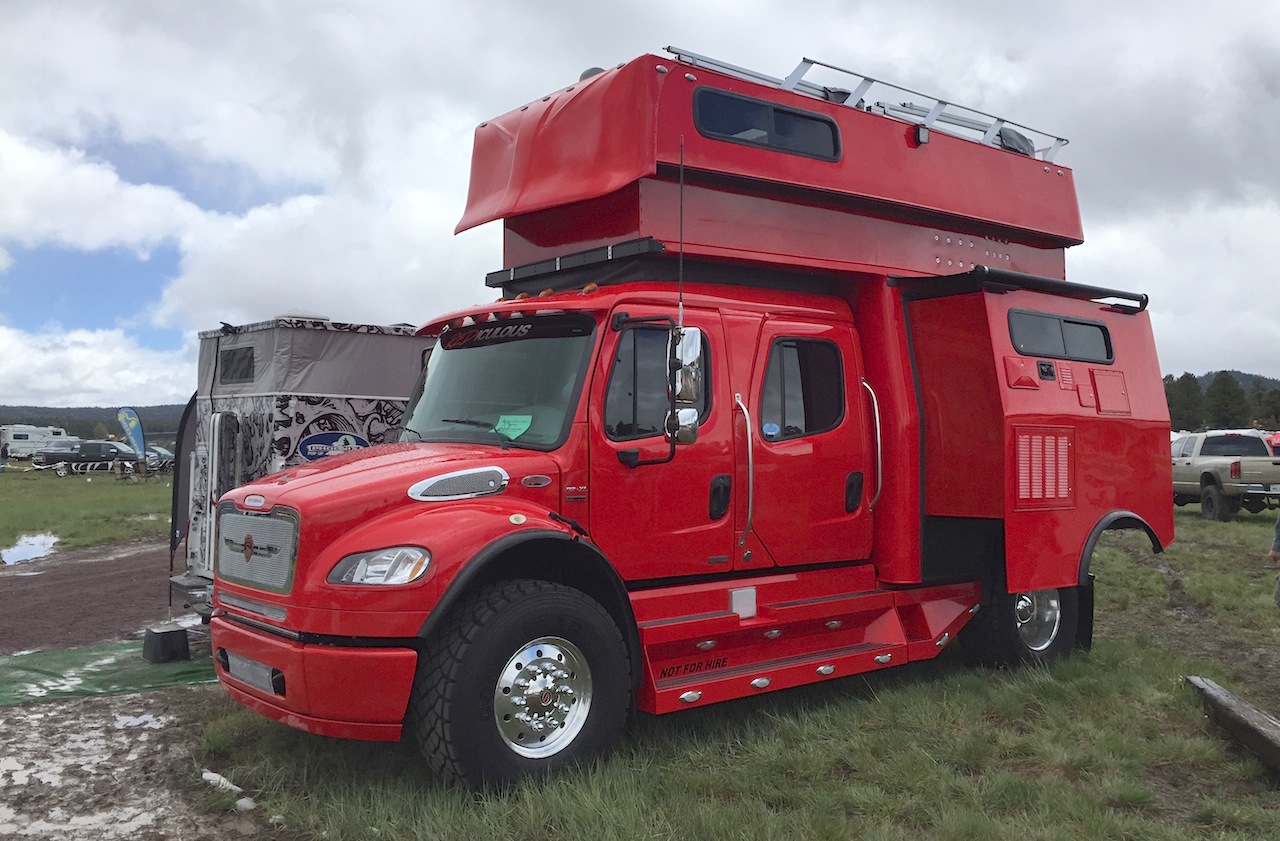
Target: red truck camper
784,384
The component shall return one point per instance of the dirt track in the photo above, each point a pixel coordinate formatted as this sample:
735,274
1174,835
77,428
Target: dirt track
84,596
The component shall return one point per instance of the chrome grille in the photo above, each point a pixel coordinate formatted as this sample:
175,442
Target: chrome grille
257,550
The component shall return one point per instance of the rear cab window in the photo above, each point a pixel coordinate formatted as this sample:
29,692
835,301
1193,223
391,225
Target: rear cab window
803,389
1234,445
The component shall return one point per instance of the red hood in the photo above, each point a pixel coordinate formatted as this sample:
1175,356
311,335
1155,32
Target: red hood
380,477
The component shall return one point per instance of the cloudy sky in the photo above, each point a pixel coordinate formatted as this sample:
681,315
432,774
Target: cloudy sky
165,166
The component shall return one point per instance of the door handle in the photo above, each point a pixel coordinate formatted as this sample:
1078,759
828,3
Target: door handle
720,495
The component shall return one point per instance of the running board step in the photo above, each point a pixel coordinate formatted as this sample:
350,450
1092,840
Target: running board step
723,683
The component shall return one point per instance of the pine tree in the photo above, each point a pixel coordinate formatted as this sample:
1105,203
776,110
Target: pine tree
1226,402
1186,402
1257,400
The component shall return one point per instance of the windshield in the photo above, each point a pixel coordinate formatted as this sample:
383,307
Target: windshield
515,382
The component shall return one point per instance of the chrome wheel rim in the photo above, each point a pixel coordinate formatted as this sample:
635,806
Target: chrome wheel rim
542,698
1039,616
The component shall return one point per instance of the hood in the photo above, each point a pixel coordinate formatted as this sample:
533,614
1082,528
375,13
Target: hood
363,483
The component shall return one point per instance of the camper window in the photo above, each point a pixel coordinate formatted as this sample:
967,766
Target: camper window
235,365
756,122
1058,337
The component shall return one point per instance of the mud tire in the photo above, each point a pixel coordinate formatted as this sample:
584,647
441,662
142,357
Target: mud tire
459,714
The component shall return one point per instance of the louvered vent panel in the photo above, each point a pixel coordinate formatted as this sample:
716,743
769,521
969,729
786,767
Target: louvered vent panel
1044,467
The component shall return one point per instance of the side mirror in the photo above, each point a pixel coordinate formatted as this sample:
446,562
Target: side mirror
686,354
686,426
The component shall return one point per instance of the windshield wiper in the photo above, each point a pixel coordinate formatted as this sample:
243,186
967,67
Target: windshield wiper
485,425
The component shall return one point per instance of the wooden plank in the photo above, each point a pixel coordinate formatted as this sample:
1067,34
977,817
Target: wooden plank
1250,726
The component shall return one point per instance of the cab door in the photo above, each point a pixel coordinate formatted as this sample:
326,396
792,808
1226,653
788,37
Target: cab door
659,518
814,467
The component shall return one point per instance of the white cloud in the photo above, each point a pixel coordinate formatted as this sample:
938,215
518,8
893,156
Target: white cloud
55,196
355,119
1214,302
54,367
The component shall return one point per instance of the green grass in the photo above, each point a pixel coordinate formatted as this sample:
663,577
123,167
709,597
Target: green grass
1107,745
82,510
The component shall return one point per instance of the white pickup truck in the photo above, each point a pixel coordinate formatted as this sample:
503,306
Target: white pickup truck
1226,470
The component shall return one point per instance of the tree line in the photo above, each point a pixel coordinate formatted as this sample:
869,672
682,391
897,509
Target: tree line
1224,404
158,422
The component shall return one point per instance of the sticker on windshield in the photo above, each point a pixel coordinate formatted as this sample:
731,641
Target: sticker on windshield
513,426
772,430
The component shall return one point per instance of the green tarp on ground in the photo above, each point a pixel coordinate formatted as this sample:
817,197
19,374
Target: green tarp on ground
97,670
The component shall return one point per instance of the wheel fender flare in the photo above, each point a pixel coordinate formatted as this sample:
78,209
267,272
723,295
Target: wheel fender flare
609,590
1116,520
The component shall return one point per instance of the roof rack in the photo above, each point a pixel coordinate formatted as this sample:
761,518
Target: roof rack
937,114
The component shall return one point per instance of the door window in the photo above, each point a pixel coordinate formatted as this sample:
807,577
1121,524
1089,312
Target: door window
637,400
803,389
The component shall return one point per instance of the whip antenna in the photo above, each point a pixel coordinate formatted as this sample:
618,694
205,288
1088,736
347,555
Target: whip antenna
680,264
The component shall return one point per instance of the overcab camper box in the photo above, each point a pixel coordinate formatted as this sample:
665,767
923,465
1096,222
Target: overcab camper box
277,394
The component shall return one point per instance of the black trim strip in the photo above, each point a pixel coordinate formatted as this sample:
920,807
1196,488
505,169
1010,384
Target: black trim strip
304,638
692,617
590,257
822,599
738,575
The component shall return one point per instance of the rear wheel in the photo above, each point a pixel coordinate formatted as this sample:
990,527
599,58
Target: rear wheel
1035,627
530,677
1213,505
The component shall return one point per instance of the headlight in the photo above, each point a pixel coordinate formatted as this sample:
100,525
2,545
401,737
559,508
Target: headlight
394,565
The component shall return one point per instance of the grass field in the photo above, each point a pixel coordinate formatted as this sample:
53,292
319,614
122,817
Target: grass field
82,510
1110,744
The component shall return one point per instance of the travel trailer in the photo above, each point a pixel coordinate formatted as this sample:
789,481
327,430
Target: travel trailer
22,440
277,394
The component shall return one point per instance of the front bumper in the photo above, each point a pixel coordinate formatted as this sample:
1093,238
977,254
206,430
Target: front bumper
330,690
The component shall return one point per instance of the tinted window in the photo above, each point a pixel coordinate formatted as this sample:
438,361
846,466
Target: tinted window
1043,334
236,365
803,389
1177,446
760,123
637,400
1234,445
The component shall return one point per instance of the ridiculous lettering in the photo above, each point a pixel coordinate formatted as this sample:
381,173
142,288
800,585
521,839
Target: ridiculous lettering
486,334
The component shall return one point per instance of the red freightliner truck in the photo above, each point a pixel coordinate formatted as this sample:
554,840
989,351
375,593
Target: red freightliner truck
785,384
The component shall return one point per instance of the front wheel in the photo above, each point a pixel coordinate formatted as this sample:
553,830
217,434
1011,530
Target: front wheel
1029,628
528,678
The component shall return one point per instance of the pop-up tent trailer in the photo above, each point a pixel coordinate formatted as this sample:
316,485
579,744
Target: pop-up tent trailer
276,394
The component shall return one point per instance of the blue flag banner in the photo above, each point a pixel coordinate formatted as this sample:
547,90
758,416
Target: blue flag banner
132,427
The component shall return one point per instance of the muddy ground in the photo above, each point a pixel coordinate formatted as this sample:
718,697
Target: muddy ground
84,596
117,767
122,767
